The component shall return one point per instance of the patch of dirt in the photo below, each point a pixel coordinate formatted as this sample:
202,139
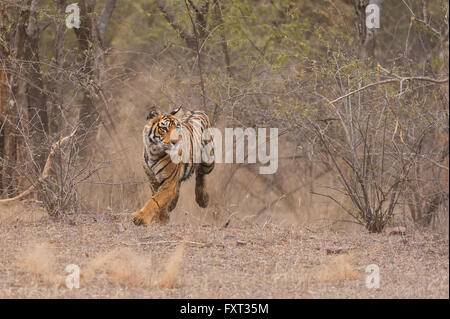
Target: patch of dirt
190,260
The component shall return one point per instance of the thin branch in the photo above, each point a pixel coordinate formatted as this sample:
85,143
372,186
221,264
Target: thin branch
197,47
170,17
399,79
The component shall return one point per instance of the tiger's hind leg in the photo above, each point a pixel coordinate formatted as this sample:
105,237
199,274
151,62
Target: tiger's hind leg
164,217
201,196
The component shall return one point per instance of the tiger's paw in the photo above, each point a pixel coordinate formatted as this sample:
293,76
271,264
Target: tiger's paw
202,199
141,218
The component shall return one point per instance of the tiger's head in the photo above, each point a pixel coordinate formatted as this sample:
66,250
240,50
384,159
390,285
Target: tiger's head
163,131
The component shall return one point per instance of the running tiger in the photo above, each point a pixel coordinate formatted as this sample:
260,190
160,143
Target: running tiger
166,136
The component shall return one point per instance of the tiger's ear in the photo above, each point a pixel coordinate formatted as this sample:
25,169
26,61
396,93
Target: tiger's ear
152,114
178,111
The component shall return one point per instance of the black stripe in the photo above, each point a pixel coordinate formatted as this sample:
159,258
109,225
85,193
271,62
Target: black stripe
208,169
146,158
189,117
159,171
171,174
154,154
153,165
184,171
188,170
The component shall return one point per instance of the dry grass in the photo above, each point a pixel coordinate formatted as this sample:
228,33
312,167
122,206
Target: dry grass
122,266
243,260
39,260
336,268
168,279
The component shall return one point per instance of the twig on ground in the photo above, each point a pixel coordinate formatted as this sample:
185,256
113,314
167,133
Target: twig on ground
159,242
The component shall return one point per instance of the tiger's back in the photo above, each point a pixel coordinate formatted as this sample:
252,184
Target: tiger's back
196,123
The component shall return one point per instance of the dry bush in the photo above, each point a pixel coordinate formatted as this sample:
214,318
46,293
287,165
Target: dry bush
40,260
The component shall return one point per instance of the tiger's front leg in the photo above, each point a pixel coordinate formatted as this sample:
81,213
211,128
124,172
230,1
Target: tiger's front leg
148,214
155,210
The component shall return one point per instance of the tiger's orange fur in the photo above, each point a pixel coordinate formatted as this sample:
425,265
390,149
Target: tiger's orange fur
165,175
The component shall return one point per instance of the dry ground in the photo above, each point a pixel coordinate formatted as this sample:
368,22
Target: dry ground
118,259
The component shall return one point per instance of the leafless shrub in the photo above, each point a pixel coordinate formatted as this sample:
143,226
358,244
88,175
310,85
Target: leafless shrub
60,193
365,140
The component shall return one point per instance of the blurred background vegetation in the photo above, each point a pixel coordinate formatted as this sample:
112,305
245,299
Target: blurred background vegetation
362,113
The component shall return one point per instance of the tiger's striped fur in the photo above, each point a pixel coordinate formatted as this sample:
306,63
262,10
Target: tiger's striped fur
165,175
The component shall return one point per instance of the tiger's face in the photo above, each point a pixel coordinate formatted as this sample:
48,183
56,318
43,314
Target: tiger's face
163,133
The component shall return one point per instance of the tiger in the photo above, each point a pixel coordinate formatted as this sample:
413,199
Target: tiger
165,136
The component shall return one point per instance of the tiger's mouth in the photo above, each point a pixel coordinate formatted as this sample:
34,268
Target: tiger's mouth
173,149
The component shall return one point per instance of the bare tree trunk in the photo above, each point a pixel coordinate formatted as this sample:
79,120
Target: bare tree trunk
88,115
58,99
13,61
36,99
223,38
200,20
201,13
90,45
367,36
4,90
105,17
3,107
